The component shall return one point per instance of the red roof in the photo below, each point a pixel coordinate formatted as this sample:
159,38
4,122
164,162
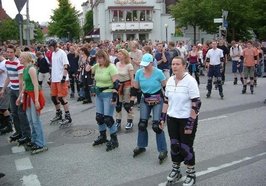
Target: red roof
3,14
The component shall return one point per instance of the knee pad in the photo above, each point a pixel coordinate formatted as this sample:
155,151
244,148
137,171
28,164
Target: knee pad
127,107
118,107
99,118
54,100
143,123
62,101
175,147
109,121
156,128
251,78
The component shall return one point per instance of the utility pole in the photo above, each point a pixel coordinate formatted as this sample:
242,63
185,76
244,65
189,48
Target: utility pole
28,24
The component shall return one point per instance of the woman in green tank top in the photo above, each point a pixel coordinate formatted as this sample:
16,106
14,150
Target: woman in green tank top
33,102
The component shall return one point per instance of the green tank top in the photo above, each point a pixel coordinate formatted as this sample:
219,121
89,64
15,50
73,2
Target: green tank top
27,79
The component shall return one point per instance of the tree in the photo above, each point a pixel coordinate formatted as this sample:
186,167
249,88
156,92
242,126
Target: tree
88,26
9,30
188,12
258,19
65,22
38,35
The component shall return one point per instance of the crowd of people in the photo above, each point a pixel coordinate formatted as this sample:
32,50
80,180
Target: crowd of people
157,77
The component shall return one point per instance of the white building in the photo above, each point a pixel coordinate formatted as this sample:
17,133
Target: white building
132,19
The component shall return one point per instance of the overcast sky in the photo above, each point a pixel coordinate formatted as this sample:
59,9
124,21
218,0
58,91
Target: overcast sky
40,10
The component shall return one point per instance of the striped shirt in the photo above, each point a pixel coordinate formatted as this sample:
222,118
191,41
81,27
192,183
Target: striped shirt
14,68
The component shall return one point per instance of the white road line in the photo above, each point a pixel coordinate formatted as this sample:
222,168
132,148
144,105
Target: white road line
23,164
31,180
16,149
213,118
213,169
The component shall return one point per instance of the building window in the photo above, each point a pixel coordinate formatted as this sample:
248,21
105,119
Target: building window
135,15
142,15
129,15
121,15
148,15
114,16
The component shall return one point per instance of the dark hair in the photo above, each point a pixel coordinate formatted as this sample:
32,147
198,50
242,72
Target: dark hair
147,49
26,49
12,47
182,60
85,50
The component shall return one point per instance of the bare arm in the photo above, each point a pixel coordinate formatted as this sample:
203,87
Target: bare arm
33,76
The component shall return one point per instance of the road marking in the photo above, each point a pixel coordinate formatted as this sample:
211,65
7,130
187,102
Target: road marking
16,149
23,164
31,180
213,169
213,118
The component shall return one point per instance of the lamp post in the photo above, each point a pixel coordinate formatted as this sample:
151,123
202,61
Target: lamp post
166,32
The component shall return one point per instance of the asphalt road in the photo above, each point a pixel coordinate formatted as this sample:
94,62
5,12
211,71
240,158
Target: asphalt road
230,148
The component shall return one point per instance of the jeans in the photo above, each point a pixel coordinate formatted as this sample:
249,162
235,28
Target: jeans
105,107
19,116
37,136
145,111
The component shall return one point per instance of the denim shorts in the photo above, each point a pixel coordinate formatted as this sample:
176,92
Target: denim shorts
236,68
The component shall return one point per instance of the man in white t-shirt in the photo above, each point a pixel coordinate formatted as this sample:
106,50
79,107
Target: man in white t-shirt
214,64
59,84
6,122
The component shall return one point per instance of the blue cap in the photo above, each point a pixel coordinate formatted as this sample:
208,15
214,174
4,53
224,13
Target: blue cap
146,60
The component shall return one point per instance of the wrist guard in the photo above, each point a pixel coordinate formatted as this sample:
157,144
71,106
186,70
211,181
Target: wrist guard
163,117
190,124
114,96
63,79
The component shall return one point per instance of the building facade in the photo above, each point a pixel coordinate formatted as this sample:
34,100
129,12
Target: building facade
132,19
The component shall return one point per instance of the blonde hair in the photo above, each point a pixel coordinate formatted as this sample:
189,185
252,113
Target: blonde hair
27,56
102,53
125,54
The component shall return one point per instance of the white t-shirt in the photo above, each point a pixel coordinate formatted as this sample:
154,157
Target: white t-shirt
180,95
236,52
59,59
183,51
215,56
3,75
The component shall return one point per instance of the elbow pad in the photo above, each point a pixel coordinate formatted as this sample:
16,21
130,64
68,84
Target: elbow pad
207,60
241,57
255,57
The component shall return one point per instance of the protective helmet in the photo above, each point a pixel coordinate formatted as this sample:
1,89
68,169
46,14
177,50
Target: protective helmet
52,42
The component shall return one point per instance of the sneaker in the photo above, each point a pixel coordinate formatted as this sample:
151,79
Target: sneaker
174,174
80,99
37,149
86,101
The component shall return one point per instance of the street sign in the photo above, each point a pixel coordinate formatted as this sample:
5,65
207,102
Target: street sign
225,23
20,4
218,20
19,18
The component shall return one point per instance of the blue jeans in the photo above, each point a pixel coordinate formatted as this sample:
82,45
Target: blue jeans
105,107
19,116
37,136
145,111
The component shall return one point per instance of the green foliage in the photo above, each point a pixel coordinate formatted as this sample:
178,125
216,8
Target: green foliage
65,21
9,30
38,35
243,16
88,26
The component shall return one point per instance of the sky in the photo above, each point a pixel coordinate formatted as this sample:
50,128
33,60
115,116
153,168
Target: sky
39,10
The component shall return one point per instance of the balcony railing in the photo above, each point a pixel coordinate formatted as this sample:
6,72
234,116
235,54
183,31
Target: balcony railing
131,26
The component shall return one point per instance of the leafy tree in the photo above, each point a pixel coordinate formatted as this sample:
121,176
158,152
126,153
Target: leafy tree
188,12
9,30
38,35
88,26
258,19
65,23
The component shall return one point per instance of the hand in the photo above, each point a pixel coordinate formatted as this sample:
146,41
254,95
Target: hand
1,93
161,125
37,105
114,97
188,131
18,102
